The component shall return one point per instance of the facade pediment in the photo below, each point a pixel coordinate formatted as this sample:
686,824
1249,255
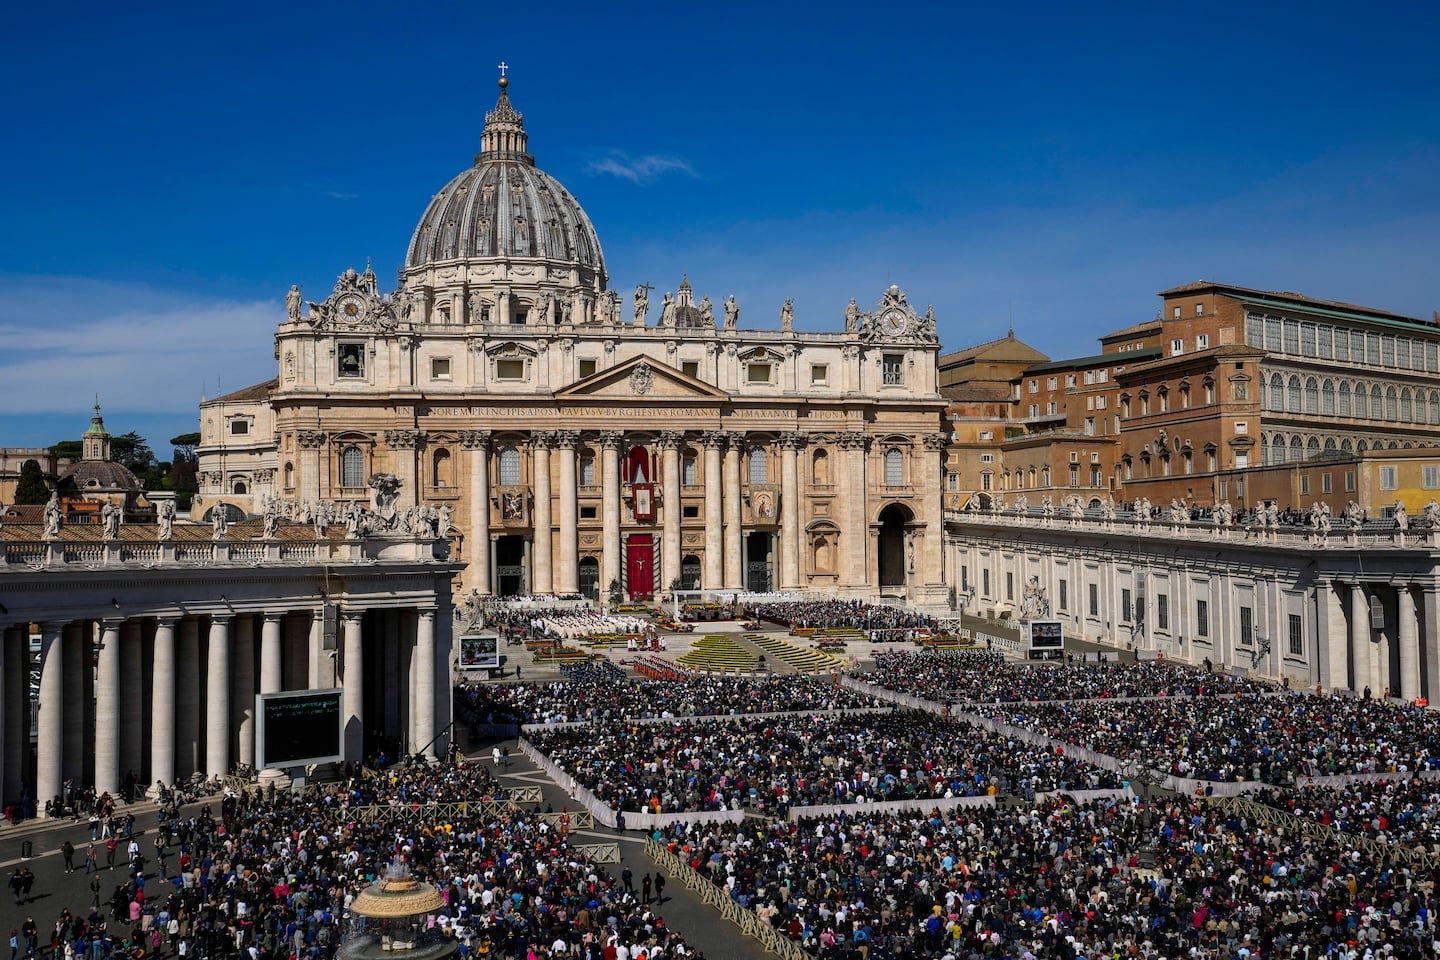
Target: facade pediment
641,377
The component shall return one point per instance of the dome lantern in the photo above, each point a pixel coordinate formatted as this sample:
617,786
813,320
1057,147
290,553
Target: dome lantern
504,136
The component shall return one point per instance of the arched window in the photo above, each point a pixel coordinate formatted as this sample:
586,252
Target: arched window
1019,479
1329,445
1345,445
1327,398
289,474
689,474
1277,449
1297,450
1312,396
1362,401
1344,398
1407,411
442,469
509,466
1312,448
1264,450
1292,399
587,471
820,468
239,486
352,467
894,468
1045,477
1361,446
1391,409
758,465
1434,407
1277,393
1375,401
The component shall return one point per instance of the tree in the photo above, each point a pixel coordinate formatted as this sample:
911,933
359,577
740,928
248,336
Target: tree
31,488
185,445
68,449
133,452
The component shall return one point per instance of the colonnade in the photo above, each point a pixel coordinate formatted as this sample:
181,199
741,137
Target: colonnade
556,554
159,698
1374,638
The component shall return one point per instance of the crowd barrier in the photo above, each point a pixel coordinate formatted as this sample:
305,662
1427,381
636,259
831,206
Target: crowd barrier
923,804
712,717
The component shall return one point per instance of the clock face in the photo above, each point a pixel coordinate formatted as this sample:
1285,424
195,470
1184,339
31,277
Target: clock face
350,308
893,321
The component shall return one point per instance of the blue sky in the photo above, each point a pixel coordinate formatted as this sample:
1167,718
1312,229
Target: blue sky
172,169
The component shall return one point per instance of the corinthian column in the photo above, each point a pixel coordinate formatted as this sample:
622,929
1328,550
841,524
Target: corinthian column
790,445
477,537
162,703
242,690
309,442
107,710
670,492
1409,644
217,698
543,563
714,513
50,732
610,509
424,703
734,570
856,533
568,581
354,686
405,446
1362,649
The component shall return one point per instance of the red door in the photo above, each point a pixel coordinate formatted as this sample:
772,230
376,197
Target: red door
640,565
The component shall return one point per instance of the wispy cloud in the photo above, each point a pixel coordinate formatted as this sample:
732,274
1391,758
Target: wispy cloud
139,348
640,169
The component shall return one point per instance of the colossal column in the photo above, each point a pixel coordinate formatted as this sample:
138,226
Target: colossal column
162,703
790,445
271,634
405,446
1409,645
354,674
856,533
77,654
1331,618
1360,645
17,701
610,508
670,494
132,702
50,735
242,693
310,442
217,697
734,516
107,710
568,580
715,553
543,566
477,538
424,702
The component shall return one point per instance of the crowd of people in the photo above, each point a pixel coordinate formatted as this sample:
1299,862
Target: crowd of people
1400,810
1062,880
847,614
604,693
269,874
986,677
1268,737
800,760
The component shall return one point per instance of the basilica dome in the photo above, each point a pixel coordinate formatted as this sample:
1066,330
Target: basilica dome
506,210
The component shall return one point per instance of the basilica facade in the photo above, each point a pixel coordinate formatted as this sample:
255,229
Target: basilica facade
576,443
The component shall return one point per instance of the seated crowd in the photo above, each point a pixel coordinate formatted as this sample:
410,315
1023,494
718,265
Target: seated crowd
848,614
803,761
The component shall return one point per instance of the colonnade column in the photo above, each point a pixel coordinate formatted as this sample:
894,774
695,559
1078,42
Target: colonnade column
16,641
568,581
670,492
542,565
72,687
715,557
242,702
856,526
477,537
790,444
1409,645
609,510
1360,646
354,695
50,733
107,708
162,703
423,704
734,522
1331,620
217,697
132,720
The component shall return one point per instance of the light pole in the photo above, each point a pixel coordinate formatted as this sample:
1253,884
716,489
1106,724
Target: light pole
1137,771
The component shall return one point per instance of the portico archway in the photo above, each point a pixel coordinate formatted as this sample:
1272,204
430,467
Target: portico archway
890,548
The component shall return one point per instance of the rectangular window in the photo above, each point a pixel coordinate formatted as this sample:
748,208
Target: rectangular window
987,434
1387,478
688,470
1162,611
1094,600
1432,476
1009,585
588,368
690,511
1202,618
987,458
985,582
1051,408
1305,484
1297,636
1096,478
1089,426
1034,409
1064,596
1242,426
1125,601
1326,483
691,368
893,368
952,482
1074,476
1177,347
758,373
1202,341
350,360
1176,313
1069,379
439,368
1242,460
1051,384
819,374
1199,309
241,428
1100,402
587,513
509,369
1247,625
1349,481
1034,386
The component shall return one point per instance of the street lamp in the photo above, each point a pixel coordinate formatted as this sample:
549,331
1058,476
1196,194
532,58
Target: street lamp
1138,772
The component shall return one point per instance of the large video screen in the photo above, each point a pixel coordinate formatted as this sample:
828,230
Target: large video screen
1046,634
479,652
300,727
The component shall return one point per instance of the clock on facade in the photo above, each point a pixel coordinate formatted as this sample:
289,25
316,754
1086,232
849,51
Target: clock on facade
893,321
350,308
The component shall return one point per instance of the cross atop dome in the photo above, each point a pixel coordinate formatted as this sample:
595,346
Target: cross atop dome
504,136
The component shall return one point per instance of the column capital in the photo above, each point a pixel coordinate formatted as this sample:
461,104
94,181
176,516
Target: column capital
404,439
853,440
671,439
223,616
273,616
793,441
713,439
425,613
935,441
310,439
567,439
542,439
475,439
611,439
352,615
